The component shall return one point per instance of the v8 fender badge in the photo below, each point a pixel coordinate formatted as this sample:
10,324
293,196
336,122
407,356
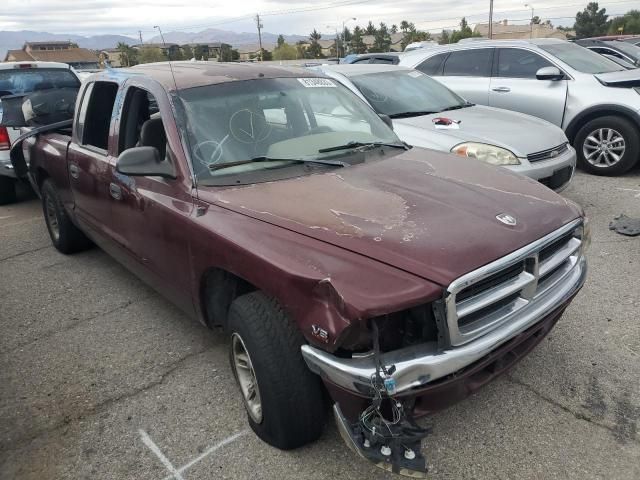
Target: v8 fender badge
507,219
320,333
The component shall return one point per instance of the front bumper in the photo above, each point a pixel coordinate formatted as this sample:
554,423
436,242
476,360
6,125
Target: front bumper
418,366
556,173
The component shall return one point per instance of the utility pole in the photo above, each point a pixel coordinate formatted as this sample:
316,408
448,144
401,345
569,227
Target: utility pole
259,34
490,19
140,33
532,15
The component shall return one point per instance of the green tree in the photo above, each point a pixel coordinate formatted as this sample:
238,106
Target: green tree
187,52
200,53
315,50
371,29
128,55
285,52
382,39
302,48
536,20
445,37
411,34
394,28
628,24
464,32
591,22
280,41
266,55
235,54
151,55
404,26
357,45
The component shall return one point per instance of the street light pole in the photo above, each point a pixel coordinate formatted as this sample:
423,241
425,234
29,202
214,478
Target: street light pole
343,24
490,19
259,34
532,15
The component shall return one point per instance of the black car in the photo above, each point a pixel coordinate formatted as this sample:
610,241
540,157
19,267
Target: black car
614,48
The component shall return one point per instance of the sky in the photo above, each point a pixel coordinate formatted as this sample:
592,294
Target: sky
126,17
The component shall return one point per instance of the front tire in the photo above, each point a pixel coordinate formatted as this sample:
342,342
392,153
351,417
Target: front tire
608,146
65,236
283,398
7,190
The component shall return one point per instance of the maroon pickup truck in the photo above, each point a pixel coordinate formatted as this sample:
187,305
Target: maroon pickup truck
345,266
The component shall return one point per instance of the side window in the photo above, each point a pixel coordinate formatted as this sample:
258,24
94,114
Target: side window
433,66
363,60
474,62
96,112
141,124
518,63
383,60
607,51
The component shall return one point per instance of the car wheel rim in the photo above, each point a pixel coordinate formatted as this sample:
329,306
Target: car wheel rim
52,218
604,147
246,377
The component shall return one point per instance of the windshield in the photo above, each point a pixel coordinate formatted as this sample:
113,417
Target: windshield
274,120
580,58
401,92
632,50
16,81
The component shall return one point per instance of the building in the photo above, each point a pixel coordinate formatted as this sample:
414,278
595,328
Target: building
63,52
171,50
503,30
208,50
111,57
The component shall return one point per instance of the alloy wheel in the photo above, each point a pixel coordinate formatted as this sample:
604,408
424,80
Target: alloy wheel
246,377
604,147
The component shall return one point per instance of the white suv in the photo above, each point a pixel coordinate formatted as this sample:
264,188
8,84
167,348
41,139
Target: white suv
20,78
594,100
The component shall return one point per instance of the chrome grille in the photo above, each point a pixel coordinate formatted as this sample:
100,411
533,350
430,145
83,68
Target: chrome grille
548,154
492,295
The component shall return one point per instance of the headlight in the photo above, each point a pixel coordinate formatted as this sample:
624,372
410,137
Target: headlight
486,153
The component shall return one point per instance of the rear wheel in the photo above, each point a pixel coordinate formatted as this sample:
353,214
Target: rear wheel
7,190
65,236
283,398
608,146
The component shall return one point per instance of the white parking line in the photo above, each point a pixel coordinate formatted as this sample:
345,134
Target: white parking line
165,461
637,195
4,218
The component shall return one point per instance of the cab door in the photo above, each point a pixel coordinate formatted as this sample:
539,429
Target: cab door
514,85
468,73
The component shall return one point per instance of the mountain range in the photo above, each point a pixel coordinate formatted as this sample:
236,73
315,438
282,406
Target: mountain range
15,39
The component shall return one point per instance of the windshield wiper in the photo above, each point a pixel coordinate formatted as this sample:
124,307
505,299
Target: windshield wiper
355,144
411,114
457,107
219,166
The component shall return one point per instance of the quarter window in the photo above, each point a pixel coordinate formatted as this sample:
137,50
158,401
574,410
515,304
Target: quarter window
518,63
432,66
474,62
95,114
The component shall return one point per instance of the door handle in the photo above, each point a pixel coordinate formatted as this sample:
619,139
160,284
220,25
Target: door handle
74,170
115,191
501,89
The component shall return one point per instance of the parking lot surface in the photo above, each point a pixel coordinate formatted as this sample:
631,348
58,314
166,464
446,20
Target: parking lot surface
101,378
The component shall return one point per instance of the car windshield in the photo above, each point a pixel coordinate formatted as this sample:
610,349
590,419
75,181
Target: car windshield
406,93
632,50
245,130
15,81
580,58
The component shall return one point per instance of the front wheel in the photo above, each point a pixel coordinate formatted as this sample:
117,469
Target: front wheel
283,398
7,190
608,146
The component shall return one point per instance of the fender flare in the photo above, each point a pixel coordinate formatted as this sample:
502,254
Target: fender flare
600,111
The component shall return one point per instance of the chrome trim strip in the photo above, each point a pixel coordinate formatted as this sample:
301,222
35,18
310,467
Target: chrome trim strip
420,364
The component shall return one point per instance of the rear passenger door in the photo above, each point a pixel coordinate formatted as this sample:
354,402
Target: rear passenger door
514,85
466,72
89,160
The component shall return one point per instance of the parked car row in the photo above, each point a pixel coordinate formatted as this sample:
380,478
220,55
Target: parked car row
343,264
595,100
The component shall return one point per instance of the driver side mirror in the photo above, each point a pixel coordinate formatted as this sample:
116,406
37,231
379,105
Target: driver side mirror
386,119
549,73
144,162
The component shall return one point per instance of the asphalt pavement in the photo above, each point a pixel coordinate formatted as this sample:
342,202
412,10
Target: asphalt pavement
101,378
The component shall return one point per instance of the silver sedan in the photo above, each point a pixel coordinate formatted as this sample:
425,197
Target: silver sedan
427,114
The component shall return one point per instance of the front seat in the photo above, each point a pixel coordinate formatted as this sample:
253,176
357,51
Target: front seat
152,135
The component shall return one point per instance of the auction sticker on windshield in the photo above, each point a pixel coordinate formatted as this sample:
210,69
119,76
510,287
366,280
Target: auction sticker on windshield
317,82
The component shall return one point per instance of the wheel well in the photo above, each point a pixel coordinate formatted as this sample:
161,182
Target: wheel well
578,123
218,288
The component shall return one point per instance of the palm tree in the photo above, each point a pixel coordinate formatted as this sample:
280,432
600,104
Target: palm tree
127,54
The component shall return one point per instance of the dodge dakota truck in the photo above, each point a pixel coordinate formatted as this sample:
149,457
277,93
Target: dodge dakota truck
348,270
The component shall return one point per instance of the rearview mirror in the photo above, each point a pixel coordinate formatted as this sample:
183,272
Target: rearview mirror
386,119
144,162
549,73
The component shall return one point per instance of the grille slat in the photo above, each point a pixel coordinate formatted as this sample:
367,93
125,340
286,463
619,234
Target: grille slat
490,296
548,154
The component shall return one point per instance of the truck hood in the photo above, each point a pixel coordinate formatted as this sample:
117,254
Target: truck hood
521,134
623,78
425,212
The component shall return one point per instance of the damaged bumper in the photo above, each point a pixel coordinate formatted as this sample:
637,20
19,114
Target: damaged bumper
418,366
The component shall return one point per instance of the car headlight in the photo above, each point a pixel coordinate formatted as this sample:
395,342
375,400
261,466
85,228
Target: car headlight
486,153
